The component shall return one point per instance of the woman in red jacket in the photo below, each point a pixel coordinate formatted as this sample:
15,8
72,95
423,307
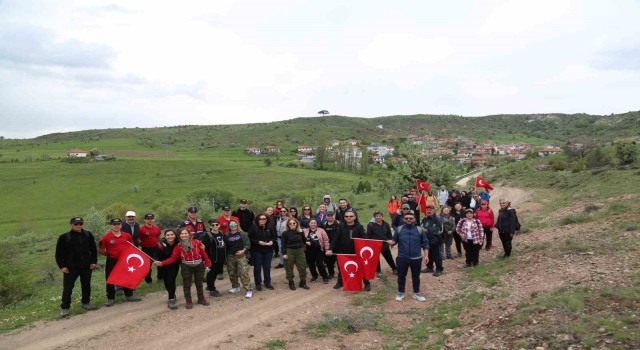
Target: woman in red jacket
194,261
393,205
486,217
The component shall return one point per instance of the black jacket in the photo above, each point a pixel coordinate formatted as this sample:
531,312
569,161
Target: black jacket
134,231
292,240
434,228
342,242
246,218
257,234
506,221
380,232
215,246
76,250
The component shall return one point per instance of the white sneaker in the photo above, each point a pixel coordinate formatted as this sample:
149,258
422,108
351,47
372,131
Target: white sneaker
400,297
234,290
419,297
249,294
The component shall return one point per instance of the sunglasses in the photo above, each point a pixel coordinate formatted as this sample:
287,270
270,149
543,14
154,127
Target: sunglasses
349,216
262,218
77,224
292,223
409,218
215,224
307,209
233,225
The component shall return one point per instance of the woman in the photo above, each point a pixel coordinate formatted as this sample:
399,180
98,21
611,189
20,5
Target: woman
216,247
471,233
279,206
237,247
280,226
321,216
317,242
194,261
306,216
453,199
168,272
393,205
448,228
293,212
465,200
485,215
457,214
271,222
506,225
380,230
433,200
262,238
293,242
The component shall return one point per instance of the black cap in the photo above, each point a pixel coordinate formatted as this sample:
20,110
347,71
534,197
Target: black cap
76,220
226,207
192,209
331,212
243,201
115,221
149,216
213,221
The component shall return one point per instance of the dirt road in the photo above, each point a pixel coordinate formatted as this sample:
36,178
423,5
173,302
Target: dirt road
229,322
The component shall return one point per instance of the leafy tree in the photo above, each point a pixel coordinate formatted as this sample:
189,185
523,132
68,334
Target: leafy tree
268,162
626,152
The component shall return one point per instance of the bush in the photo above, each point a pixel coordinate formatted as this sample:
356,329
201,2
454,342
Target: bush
12,286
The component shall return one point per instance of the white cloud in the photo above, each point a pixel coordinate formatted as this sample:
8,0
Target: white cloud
395,51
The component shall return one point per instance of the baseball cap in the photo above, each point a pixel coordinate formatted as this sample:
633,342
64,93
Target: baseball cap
76,220
406,206
149,216
484,202
115,221
213,221
192,209
326,196
405,199
468,211
130,213
226,207
331,212
243,201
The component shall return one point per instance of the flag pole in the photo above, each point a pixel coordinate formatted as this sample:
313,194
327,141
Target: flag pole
133,245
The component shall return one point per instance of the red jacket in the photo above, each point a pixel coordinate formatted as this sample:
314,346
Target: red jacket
197,253
486,217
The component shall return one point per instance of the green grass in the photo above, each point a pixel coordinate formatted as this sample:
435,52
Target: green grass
275,344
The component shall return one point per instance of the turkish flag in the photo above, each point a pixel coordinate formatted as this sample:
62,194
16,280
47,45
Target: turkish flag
423,204
368,250
422,186
350,272
481,183
130,269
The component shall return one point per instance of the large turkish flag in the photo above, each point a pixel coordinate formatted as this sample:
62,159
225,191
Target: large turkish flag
350,272
368,251
130,269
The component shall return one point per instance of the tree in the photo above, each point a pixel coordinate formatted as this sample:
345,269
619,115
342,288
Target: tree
324,112
321,153
626,152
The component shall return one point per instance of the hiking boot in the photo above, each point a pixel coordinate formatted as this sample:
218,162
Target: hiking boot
259,288
367,287
214,293
249,294
292,285
88,307
64,313
313,279
109,302
189,305
119,290
203,301
419,297
268,286
234,290
132,298
395,271
325,280
220,276
171,304
279,266
438,273
337,285
427,270
303,284
331,275
399,296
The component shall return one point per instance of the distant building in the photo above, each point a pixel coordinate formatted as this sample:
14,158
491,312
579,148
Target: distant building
305,150
252,151
77,153
549,150
271,150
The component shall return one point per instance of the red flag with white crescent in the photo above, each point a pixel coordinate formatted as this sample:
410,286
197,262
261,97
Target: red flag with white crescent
350,271
423,204
368,250
422,186
131,268
480,182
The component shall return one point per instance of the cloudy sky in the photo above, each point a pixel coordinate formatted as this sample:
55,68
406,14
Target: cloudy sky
75,65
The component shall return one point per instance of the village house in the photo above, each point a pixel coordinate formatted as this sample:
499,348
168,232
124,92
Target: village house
271,150
253,151
305,150
77,153
549,150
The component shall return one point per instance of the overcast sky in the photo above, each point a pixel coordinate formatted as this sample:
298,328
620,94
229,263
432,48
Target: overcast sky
75,65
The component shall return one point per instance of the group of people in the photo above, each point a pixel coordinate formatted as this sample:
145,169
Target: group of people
309,240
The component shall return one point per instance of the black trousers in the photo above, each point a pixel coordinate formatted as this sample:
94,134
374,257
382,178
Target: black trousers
506,238
472,252
315,261
111,289
404,264
389,258
169,274
488,233
330,261
458,241
434,256
69,280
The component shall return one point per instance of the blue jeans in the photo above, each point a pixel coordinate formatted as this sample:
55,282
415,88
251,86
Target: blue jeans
403,267
280,250
261,262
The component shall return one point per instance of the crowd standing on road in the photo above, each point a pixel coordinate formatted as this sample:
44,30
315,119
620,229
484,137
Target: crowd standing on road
307,242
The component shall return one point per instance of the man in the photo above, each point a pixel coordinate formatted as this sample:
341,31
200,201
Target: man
413,205
432,226
343,207
226,218
342,242
149,238
330,228
195,225
131,227
398,219
111,245
76,256
380,230
455,190
412,243
443,195
245,216
281,226
326,200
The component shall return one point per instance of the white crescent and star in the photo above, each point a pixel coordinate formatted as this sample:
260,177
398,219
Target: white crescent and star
366,249
351,274
480,182
137,256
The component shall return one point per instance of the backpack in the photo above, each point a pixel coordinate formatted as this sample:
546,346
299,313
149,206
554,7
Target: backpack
420,229
515,216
